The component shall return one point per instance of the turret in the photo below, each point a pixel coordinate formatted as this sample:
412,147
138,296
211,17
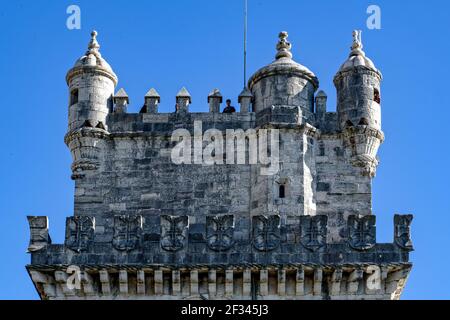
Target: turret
359,111
284,82
91,87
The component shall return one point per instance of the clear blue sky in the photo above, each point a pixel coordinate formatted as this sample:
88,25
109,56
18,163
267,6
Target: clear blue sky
198,44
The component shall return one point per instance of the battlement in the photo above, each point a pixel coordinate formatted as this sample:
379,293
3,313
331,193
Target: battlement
149,119
183,100
263,248
167,123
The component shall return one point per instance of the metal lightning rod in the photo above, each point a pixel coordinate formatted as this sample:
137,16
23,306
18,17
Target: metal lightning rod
245,43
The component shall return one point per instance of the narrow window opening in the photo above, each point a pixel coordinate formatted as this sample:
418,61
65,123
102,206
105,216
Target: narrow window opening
110,104
100,125
282,191
364,122
321,150
376,96
73,97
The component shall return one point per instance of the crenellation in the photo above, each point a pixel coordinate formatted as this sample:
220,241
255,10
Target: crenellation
121,101
152,100
183,100
214,101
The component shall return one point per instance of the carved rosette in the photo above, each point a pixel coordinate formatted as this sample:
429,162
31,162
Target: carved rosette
361,232
313,231
79,232
402,231
173,232
127,232
220,232
266,232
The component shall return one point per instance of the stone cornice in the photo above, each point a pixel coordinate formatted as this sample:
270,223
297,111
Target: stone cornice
182,267
283,69
306,128
365,130
86,132
311,282
98,70
358,69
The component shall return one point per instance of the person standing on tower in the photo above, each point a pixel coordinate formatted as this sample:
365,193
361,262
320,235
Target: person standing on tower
229,108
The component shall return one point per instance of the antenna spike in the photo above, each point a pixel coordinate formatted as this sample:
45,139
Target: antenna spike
245,42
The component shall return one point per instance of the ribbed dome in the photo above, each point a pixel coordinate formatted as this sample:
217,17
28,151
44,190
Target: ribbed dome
93,58
357,56
284,64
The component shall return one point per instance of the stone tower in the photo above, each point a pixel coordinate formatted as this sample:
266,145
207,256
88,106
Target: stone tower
295,224
359,106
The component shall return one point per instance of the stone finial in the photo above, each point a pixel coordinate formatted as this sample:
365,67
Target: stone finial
214,100
121,101
152,99
357,45
93,44
357,40
245,100
284,46
183,100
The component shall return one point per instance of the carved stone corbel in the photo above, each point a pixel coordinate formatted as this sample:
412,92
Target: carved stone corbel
336,280
353,281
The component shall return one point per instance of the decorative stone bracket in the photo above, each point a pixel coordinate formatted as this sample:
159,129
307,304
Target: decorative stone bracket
363,143
85,146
